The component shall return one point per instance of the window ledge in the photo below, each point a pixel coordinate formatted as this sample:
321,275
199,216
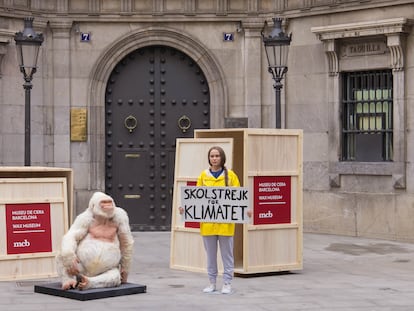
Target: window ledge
396,170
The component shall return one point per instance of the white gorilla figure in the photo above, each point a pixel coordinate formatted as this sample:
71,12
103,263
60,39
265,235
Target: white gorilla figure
97,250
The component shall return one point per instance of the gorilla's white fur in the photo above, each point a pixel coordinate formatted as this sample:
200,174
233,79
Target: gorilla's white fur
97,250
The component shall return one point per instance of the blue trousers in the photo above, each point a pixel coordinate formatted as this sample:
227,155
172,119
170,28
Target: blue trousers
226,250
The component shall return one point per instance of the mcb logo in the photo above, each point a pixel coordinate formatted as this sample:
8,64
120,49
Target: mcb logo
24,243
269,214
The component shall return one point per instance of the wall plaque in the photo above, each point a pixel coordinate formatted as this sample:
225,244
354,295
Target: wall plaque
235,122
359,48
78,124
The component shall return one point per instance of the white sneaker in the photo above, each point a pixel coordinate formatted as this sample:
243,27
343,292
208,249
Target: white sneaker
209,289
226,289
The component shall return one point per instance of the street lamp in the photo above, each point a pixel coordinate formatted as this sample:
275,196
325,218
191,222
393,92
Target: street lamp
276,44
27,44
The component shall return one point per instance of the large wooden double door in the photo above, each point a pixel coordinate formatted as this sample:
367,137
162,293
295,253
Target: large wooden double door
153,96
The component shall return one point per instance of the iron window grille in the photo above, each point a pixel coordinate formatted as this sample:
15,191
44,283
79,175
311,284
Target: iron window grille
367,116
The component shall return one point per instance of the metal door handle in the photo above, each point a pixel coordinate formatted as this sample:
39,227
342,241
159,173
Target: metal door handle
130,123
184,123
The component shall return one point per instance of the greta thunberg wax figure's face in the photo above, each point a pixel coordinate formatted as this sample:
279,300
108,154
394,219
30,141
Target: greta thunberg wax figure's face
215,160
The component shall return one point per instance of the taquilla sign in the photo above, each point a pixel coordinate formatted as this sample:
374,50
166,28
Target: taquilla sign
215,204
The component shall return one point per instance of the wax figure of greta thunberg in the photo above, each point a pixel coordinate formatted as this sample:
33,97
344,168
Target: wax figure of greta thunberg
218,234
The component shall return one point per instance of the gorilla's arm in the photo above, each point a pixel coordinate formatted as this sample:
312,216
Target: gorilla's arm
71,239
126,242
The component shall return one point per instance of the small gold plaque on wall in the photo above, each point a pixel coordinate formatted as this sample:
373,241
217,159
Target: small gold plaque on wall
78,124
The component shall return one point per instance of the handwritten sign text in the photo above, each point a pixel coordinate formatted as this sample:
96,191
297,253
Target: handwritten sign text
215,204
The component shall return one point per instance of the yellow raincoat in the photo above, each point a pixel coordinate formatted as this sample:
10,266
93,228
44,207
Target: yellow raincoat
208,180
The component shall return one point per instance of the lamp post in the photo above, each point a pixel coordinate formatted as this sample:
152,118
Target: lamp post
276,44
27,44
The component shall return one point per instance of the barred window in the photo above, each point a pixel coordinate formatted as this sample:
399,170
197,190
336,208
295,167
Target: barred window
367,114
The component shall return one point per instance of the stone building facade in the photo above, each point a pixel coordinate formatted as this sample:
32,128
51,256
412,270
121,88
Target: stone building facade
348,87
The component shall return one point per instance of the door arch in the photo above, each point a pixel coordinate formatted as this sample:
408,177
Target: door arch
153,96
126,44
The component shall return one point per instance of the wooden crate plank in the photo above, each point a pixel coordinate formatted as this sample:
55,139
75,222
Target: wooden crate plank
36,193
272,247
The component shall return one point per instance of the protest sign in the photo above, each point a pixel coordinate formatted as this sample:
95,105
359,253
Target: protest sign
215,204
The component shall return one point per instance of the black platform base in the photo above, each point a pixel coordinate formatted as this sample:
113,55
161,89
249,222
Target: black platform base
89,294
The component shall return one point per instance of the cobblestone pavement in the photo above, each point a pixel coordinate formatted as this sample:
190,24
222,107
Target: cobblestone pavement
340,273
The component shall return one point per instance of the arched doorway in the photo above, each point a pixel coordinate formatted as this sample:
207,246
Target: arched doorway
154,95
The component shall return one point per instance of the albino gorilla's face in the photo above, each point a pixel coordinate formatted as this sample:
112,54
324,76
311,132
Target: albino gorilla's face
105,208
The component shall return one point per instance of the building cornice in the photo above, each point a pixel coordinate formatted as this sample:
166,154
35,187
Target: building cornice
363,29
127,10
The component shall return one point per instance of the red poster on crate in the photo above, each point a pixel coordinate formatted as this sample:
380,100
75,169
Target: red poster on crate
191,224
272,200
28,228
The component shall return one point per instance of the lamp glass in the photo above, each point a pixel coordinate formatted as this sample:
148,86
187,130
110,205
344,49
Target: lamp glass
277,55
27,54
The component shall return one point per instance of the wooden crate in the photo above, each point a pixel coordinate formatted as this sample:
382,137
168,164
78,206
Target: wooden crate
260,157
34,216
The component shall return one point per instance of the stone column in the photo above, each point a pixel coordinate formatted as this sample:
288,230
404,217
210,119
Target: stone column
334,105
60,91
396,45
252,71
62,6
